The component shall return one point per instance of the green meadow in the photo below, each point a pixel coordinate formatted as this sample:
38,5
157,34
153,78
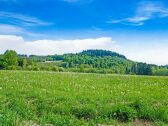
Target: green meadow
74,99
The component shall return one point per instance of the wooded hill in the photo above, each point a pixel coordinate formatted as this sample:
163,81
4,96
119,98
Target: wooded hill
90,61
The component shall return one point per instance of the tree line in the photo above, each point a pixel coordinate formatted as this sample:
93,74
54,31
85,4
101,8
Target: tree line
90,61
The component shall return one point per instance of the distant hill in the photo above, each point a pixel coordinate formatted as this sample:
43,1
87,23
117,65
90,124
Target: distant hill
107,61
97,61
91,61
102,53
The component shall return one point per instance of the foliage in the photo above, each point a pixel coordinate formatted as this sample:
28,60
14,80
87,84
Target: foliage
160,72
101,53
88,61
117,64
10,60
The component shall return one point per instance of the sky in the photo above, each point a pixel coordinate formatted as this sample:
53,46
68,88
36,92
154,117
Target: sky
137,29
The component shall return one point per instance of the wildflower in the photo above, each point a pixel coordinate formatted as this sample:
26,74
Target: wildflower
115,114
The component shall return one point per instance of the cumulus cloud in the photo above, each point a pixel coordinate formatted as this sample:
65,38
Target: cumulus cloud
155,54
146,10
48,47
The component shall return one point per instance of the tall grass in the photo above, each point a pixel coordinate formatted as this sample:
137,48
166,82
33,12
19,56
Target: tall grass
29,98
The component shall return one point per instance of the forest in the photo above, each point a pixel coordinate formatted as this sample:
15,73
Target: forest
88,61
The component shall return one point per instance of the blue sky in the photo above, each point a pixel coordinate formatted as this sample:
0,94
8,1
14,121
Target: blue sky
135,28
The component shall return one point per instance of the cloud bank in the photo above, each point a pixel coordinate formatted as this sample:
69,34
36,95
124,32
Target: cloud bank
156,54
49,47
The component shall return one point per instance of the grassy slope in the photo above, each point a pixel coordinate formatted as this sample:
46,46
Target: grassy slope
80,99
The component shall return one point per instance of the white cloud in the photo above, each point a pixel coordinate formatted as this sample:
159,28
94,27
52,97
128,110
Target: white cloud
47,47
154,54
19,19
10,29
16,30
145,10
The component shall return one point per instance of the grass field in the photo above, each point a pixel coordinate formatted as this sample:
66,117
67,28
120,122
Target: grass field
70,99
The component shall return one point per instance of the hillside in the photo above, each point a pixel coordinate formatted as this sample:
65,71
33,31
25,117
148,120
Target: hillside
101,53
88,61
107,62
98,61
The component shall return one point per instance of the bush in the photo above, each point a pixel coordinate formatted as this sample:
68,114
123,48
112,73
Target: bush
46,68
55,68
61,69
19,68
91,70
11,67
35,68
160,72
29,67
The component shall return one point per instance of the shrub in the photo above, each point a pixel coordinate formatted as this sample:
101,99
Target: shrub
55,68
44,68
29,67
91,70
35,68
48,68
19,68
11,67
61,69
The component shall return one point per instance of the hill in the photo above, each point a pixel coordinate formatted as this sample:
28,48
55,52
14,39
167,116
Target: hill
106,62
88,61
102,53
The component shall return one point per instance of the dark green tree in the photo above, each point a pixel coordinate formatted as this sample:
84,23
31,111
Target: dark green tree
23,63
